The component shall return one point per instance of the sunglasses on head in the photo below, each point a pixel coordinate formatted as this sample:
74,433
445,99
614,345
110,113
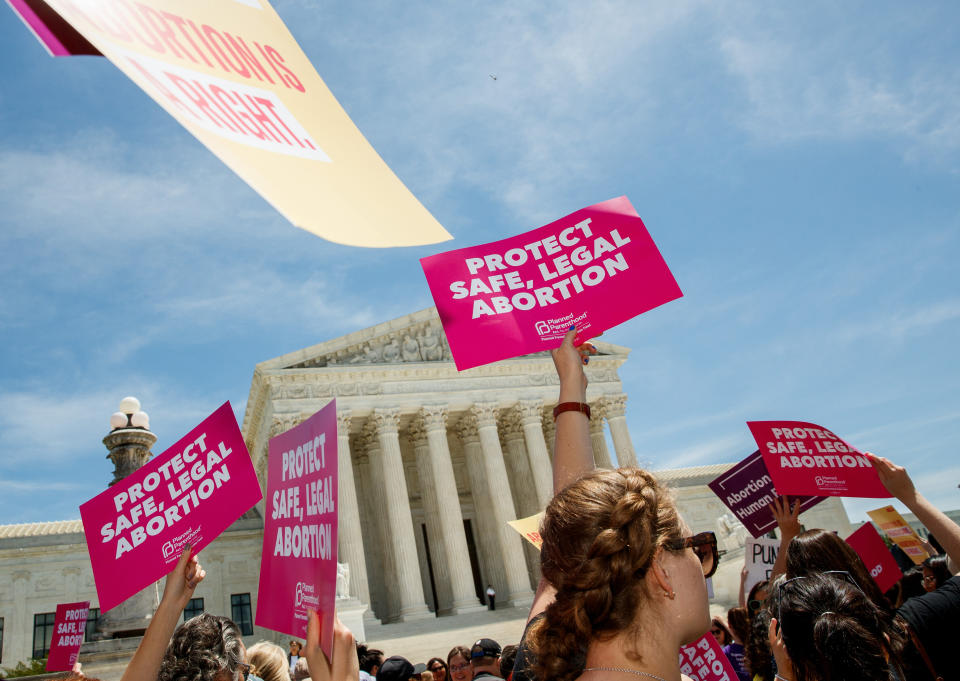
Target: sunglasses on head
704,545
839,573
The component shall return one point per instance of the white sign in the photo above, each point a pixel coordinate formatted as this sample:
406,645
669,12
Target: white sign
759,555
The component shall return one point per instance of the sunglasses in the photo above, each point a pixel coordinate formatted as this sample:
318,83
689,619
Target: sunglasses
704,545
839,573
436,668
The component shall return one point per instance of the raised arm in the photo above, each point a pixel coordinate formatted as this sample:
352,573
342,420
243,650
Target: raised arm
897,481
786,517
177,592
573,455
345,666
573,452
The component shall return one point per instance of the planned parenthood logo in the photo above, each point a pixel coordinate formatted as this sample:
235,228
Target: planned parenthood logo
304,597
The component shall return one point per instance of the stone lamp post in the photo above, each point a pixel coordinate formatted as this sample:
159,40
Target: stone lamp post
129,443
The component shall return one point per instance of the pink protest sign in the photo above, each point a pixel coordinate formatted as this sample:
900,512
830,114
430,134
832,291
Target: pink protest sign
59,37
804,458
704,660
875,555
298,565
136,530
595,268
748,490
69,626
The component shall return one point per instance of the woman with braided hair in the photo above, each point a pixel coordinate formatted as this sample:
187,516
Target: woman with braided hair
623,582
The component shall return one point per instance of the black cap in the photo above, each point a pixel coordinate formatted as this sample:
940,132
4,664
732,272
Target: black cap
485,647
398,668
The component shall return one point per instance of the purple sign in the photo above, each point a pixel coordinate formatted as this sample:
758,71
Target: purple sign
747,490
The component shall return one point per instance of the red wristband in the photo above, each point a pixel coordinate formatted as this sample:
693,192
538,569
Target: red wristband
581,407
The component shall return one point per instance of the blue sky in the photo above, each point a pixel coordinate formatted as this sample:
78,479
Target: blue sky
796,164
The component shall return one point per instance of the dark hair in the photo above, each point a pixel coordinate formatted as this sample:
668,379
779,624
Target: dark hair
368,657
910,585
462,651
754,590
832,631
507,657
442,663
739,622
717,621
600,535
757,655
201,649
820,551
938,566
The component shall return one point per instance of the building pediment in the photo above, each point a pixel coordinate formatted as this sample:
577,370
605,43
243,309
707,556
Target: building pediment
413,338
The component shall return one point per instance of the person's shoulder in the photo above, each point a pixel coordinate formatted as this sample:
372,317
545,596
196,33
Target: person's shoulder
945,601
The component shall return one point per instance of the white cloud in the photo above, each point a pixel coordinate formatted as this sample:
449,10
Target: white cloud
38,486
841,88
573,85
44,429
716,450
899,325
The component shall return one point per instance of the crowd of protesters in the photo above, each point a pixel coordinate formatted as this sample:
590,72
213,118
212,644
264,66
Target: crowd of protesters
622,589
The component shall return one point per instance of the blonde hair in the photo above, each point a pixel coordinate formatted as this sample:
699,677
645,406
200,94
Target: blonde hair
600,535
269,661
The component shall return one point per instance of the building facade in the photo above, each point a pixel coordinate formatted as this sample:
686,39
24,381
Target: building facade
433,464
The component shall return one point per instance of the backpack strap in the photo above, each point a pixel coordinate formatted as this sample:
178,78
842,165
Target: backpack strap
922,651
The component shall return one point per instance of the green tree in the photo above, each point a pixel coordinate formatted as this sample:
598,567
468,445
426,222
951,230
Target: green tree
33,667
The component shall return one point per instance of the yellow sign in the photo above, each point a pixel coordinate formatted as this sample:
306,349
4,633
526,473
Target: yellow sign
529,528
230,72
899,531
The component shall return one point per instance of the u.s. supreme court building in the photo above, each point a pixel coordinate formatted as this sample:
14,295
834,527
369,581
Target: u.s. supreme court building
433,464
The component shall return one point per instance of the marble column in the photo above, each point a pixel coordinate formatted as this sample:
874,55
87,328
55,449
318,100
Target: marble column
531,413
399,521
215,601
518,582
521,481
20,646
433,420
601,455
550,431
431,516
370,528
518,465
488,536
615,409
388,600
349,534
